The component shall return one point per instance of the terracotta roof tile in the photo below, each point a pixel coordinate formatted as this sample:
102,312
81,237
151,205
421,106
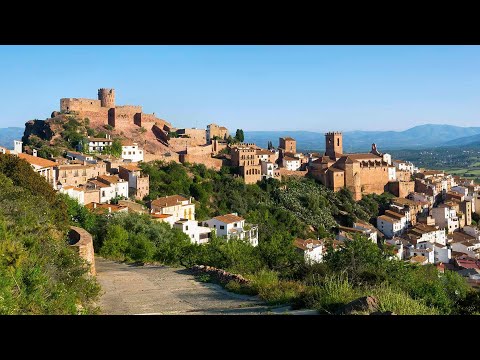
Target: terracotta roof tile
35,160
168,201
229,218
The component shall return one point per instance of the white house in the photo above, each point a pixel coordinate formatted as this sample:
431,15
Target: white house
427,233
110,187
465,243
391,226
446,218
348,233
176,205
398,244
312,250
233,226
197,234
290,163
74,192
403,165
387,158
392,173
427,253
98,144
442,253
166,218
131,151
269,170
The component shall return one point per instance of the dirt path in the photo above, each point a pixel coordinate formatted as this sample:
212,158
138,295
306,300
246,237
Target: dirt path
132,289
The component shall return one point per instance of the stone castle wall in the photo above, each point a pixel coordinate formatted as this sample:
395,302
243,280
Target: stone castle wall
82,242
79,104
373,179
205,150
208,161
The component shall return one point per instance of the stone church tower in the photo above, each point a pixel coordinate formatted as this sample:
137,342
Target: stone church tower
333,144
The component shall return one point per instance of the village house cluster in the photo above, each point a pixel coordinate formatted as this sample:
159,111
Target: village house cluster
429,221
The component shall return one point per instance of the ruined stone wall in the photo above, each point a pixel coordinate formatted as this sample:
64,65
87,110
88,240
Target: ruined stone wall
123,116
159,133
205,150
97,118
82,242
79,104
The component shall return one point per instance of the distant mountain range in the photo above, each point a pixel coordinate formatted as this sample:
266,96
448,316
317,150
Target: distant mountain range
418,137
7,135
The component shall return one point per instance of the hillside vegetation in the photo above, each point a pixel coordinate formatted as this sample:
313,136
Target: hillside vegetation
39,272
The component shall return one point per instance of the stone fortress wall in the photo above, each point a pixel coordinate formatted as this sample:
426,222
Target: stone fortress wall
103,110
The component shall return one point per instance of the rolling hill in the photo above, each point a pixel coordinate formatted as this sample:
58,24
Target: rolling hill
418,137
7,135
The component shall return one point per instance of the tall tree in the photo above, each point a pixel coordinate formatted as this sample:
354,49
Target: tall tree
239,135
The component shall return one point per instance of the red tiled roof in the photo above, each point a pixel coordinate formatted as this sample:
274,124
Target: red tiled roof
229,218
168,201
38,161
302,244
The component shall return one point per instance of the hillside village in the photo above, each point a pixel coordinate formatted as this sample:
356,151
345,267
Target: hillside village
430,219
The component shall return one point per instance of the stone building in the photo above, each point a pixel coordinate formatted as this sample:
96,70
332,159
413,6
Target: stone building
245,157
78,174
362,173
213,130
288,145
138,183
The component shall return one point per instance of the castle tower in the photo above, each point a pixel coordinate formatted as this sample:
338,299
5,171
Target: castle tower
107,97
333,144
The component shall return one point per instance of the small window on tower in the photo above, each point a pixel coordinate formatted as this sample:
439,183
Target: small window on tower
338,142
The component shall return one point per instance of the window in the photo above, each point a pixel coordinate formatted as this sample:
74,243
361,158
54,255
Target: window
186,227
222,227
235,225
215,226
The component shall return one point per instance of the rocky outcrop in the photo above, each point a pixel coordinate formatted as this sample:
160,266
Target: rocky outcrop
40,128
364,304
219,274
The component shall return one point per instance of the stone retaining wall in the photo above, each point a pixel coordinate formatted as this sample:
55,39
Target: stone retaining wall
82,241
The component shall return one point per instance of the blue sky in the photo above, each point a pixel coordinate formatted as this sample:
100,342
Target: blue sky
314,88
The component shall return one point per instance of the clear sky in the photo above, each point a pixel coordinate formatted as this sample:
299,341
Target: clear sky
312,88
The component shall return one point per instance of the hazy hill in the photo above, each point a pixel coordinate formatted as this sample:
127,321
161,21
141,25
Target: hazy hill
422,136
7,135
473,140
